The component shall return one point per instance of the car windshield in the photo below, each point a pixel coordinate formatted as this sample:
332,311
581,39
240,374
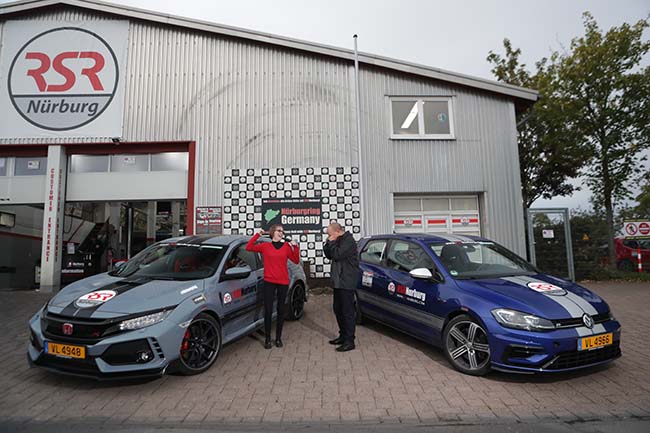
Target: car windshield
170,261
473,260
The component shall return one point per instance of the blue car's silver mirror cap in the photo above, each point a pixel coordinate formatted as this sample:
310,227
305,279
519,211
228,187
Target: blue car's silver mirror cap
421,273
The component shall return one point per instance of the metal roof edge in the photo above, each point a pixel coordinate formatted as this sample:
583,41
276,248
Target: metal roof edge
327,50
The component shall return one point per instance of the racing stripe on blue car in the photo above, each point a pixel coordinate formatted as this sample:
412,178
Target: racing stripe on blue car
589,309
570,307
574,304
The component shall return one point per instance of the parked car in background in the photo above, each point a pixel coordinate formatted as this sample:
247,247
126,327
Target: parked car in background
626,254
168,309
486,307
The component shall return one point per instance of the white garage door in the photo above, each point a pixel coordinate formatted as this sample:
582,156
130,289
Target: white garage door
450,214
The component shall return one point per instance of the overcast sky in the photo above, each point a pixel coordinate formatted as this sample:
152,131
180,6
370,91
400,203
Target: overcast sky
454,35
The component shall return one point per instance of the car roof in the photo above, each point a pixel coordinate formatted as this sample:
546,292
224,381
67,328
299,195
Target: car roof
430,237
208,239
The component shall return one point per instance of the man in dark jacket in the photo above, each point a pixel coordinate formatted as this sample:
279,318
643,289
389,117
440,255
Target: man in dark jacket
341,249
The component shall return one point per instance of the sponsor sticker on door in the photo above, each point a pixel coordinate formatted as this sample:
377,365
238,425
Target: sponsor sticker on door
366,279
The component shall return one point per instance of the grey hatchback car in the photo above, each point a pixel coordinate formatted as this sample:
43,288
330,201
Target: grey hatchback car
170,308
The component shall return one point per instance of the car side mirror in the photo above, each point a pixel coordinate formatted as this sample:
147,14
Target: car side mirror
237,273
425,274
421,274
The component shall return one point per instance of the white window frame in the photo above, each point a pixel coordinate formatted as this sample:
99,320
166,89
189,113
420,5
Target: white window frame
420,100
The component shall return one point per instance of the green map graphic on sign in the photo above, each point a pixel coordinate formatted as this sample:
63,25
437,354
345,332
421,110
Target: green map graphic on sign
270,214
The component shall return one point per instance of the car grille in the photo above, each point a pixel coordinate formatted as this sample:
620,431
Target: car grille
88,368
519,351
584,358
577,322
74,366
88,331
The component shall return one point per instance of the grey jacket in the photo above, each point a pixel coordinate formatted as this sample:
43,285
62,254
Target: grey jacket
345,263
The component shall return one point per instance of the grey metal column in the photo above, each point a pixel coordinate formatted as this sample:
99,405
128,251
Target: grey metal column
358,106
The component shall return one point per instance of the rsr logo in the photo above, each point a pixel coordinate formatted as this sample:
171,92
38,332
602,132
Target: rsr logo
94,58
100,296
63,78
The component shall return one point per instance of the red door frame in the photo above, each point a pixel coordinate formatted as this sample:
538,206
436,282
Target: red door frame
131,147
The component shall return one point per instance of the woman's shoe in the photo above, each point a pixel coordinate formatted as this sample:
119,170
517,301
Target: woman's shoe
267,343
278,343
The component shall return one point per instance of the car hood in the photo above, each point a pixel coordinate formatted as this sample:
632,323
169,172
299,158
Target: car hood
540,294
128,296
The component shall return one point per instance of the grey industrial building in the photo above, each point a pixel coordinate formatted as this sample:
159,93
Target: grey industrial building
121,126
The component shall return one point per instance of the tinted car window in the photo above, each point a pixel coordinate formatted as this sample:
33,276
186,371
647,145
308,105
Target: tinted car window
480,260
630,243
174,261
240,257
406,256
373,251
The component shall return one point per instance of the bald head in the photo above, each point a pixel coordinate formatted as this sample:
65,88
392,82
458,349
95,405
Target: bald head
334,230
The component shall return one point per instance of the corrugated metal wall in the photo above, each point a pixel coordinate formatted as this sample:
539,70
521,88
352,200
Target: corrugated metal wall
249,105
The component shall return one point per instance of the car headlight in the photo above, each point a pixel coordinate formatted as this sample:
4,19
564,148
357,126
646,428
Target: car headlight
144,321
519,320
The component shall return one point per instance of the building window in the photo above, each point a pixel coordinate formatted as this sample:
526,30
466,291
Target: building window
169,161
422,118
129,163
88,163
3,166
30,166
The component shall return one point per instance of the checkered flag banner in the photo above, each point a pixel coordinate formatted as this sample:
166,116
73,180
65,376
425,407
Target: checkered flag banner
336,187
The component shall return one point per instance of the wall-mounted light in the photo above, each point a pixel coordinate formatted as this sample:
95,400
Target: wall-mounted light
7,219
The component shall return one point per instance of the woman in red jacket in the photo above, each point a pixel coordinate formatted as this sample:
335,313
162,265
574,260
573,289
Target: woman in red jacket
276,276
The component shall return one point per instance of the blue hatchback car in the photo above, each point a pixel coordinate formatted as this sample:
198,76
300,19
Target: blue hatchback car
485,306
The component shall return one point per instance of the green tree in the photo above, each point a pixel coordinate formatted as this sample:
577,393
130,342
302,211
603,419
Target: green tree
608,93
642,208
548,154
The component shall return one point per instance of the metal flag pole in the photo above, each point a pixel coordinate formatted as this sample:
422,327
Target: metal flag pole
358,110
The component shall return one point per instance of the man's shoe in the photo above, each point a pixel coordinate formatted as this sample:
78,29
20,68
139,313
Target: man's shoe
337,341
345,347
278,343
267,343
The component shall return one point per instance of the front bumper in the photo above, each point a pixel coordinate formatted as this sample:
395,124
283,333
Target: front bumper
113,357
550,352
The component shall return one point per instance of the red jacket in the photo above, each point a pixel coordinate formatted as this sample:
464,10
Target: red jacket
275,259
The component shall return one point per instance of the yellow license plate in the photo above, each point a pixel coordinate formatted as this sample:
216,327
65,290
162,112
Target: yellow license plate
596,341
65,350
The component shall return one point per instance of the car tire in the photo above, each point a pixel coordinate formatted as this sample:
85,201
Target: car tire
626,266
200,346
466,346
359,318
296,301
